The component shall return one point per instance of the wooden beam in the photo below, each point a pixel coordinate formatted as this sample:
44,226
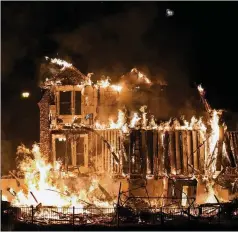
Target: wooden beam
229,152
201,152
195,149
235,139
155,152
144,152
103,151
178,153
185,155
166,153
160,153
172,152
220,148
190,151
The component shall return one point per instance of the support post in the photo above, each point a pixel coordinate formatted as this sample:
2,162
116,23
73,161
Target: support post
172,152
166,153
178,154
160,153
185,155
190,151
195,149
201,152
220,148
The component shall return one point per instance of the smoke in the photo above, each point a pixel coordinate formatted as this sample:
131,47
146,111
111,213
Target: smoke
140,36
113,44
137,37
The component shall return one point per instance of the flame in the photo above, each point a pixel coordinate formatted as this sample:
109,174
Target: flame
120,121
4,198
201,90
43,186
125,129
214,122
87,80
104,83
144,119
135,119
152,123
59,62
100,126
117,88
141,77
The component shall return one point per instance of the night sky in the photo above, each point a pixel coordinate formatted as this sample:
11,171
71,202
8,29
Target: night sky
198,44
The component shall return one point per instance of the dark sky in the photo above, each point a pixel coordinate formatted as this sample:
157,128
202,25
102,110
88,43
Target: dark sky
197,45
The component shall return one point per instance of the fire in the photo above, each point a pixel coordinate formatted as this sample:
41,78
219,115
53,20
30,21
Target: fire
87,80
117,88
4,198
144,119
100,126
104,83
152,123
45,187
135,119
213,139
201,90
125,129
59,62
120,122
141,77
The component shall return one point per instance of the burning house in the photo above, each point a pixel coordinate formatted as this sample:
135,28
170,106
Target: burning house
101,130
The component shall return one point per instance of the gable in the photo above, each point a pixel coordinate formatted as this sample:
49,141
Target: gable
67,76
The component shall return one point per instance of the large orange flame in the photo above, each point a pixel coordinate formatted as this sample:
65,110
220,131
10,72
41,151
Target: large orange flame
48,188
